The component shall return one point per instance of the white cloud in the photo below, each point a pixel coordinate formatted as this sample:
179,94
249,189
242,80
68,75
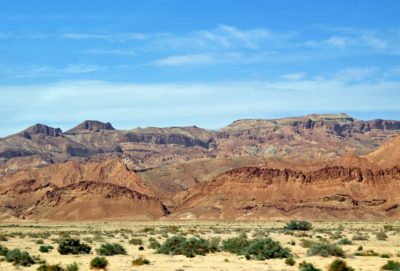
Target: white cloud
355,73
339,41
121,37
110,52
179,60
293,76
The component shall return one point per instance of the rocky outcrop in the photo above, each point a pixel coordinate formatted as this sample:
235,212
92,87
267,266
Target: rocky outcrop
40,129
93,200
91,126
263,193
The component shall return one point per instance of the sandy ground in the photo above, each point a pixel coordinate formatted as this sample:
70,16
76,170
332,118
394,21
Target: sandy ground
98,233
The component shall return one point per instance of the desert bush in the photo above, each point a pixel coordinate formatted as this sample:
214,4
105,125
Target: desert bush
381,236
266,248
391,265
385,255
72,267
45,249
136,241
298,225
140,261
306,243
19,257
3,238
153,243
307,267
360,237
325,249
109,249
73,246
345,241
236,245
99,262
290,261
3,250
179,245
339,265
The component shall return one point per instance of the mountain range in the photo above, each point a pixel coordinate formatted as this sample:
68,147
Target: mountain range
316,166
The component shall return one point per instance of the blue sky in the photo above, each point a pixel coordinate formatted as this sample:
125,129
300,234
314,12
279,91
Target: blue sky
204,63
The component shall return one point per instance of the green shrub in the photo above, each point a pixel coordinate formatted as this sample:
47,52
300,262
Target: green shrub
339,265
345,241
72,267
325,249
267,248
179,245
307,267
99,262
391,265
290,261
298,225
381,236
73,246
19,257
109,249
136,241
153,243
236,245
45,249
385,255
140,261
3,250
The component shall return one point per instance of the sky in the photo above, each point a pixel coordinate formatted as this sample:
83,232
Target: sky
204,63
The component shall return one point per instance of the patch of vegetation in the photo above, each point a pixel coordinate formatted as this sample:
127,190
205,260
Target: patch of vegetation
266,248
381,236
344,241
339,265
99,263
45,249
140,261
3,250
19,257
298,225
325,249
260,249
307,267
153,243
136,241
360,237
73,246
109,249
290,261
391,265
180,245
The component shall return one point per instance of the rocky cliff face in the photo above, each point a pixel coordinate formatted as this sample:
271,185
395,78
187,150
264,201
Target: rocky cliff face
78,191
260,193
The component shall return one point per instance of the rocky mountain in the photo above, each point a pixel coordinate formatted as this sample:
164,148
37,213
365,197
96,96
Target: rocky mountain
316,166
312,137
78,191
328,193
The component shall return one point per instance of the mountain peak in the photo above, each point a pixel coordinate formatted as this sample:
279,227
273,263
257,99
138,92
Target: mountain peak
91,125
41,129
